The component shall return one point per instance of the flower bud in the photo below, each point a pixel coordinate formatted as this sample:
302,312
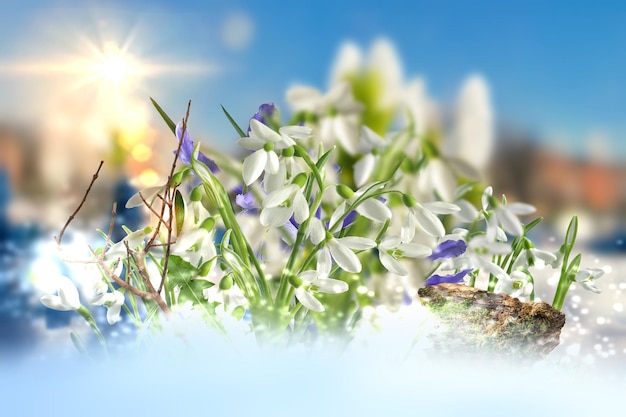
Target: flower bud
205,268
226,283
178,177
196,194
289,152
208,224
300,179
409,200
344,191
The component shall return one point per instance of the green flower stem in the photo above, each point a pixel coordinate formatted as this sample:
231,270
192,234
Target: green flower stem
281,296
86,314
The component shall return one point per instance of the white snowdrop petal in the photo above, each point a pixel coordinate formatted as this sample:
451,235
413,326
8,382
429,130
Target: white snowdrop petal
492,268
468,212
274,181
148,194
324,262
487,192
415,250
346,133
261,131
363,169
441,207
345,258
273,163
68,293
521,209
279,196
275,216
389,242
357,242
308,276
334,223
188,239
374,210
407,231
308,300
296,132
54,302
251,143
331,286
253,166
392,265
509,222
300,207
428,222
545,256
317,231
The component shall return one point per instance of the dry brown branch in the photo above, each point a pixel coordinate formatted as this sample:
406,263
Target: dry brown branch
69,220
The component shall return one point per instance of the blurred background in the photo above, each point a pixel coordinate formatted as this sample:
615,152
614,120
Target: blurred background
76,77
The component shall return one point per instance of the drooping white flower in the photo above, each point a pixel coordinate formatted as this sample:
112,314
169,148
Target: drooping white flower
370,145
67,296
341,251
478,248
518,285
113,301
425,216
132,241
392,248
265,142
281,204
528,258
505,215
586,277
317,281
337,112
371,208
224,291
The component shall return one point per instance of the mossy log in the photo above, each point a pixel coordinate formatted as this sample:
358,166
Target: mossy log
474,321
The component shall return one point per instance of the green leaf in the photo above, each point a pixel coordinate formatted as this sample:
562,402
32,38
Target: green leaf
233,123
164,115
180,272
192,291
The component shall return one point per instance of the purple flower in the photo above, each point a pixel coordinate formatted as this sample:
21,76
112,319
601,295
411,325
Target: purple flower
186,150
448,249
246,201
266,112
447,279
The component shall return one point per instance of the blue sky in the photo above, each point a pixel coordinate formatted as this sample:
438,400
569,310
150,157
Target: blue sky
556,69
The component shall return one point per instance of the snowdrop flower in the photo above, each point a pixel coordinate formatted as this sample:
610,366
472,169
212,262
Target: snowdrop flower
371,143
391,248
505,215
518,285
371,208
265,142
341,250
477,248
529,256
267,112
313,281
132,240
67,298
586,277
281,204
113,301
224,291
337,112
424,216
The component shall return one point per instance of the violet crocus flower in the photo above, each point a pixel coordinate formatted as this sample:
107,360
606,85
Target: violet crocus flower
448,249
186,150
245,200
266,112
457,278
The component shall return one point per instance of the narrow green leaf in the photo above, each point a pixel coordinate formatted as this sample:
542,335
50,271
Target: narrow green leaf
164,115
179,211
233,123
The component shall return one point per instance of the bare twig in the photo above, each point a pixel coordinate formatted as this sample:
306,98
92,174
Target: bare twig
69,220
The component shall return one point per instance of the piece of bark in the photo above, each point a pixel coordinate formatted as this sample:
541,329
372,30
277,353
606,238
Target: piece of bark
470,320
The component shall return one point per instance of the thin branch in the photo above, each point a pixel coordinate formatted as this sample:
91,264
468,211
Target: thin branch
69,220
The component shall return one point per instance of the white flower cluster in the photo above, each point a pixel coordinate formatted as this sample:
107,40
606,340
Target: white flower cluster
327,204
